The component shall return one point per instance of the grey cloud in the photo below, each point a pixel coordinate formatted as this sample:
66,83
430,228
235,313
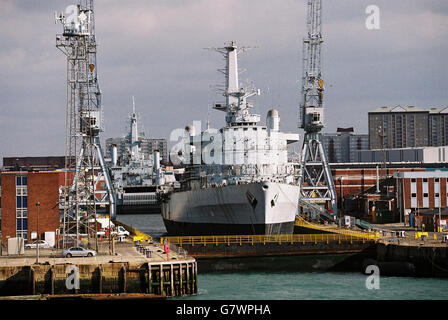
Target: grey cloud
154,51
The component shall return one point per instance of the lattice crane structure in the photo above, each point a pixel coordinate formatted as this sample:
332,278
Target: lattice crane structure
88,191
315,178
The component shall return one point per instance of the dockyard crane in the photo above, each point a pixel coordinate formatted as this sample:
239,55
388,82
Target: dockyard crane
315,178
89,190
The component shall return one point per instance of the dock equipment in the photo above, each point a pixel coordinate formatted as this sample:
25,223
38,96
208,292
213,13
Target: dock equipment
300,222
85,167
315,178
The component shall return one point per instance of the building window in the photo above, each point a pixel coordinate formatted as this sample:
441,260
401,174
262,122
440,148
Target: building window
413,195
413,180
21,181
425,179
22,202
22,207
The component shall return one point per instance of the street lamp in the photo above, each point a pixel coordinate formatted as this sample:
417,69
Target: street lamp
38,237
342,193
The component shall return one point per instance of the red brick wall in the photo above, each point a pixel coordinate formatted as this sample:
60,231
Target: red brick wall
8,206
419,192
42,187
356,181
407,193
431,192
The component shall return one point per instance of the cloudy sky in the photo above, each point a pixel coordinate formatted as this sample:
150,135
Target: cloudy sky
154,50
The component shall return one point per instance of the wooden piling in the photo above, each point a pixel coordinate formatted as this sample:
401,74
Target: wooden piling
172,279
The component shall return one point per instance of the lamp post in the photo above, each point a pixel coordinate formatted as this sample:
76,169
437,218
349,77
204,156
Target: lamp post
38,237
342,193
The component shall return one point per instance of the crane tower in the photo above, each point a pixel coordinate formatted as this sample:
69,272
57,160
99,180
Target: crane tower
315,177
88,189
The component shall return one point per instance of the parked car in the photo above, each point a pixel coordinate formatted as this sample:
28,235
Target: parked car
121,231
78,252
42,244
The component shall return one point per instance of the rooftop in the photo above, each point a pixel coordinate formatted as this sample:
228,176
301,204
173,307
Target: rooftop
398,109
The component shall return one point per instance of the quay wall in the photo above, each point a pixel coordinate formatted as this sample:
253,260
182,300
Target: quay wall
162,278
283,256
426,261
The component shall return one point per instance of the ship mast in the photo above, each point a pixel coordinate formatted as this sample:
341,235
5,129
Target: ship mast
236,106
315,178
135,155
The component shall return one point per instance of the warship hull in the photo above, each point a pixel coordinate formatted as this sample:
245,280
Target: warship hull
251,208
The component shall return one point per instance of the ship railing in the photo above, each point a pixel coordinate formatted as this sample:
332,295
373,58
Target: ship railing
266,239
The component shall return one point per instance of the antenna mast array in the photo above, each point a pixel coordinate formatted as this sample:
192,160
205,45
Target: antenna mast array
236,106
315,177
88,192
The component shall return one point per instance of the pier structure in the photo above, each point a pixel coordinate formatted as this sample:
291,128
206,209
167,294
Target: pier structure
141,269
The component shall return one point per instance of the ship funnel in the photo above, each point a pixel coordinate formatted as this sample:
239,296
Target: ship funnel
273,120
156,159
114,155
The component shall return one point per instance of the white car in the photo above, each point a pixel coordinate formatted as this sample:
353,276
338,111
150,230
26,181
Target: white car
42,244
78,252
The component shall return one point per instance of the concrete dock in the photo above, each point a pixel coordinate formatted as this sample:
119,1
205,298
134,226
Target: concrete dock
145,270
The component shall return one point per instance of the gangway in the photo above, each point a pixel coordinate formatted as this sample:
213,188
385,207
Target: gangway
300,222
316,211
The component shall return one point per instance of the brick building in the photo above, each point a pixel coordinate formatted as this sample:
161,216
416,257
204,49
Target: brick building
422,190
350,181
21,190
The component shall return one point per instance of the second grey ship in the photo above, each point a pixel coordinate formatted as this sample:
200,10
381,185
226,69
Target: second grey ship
138,179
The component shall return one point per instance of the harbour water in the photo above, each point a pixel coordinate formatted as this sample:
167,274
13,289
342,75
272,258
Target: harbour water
297,285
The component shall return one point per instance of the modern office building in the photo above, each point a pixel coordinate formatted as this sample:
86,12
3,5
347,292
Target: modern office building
438,127
342,146
398,127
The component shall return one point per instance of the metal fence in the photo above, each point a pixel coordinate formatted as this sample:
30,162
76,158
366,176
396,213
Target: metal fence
257,239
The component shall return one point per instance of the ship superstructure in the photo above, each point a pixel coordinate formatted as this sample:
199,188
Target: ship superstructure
237,179
138,180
